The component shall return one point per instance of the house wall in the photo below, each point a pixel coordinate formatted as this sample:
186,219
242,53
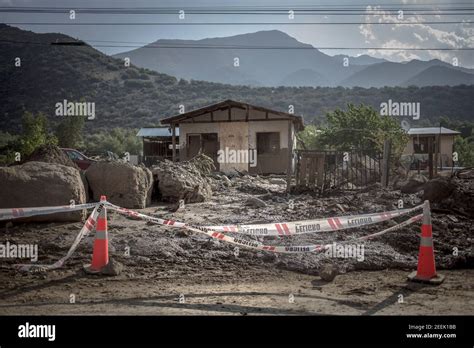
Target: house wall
242,135
270,163
234,136
446,148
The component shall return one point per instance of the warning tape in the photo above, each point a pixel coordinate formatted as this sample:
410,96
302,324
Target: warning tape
313,226
16,213
85,230
338,223
250,243
137,215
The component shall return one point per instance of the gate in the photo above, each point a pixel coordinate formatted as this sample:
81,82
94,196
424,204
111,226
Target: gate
325,170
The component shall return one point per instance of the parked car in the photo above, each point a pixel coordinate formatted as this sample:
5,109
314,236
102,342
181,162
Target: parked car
81,160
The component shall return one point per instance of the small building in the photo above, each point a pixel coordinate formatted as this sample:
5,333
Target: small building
157,144
238,136
442,140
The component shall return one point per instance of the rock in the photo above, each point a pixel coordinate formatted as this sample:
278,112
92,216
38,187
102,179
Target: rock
113,268
277,181
124,184
40,184
411,186
438,189
252,188
182,180
255,202
328,272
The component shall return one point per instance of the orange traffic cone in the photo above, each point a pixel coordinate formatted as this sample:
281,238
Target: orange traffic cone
100,254
426,270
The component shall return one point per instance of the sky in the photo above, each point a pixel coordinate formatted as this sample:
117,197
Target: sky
419,31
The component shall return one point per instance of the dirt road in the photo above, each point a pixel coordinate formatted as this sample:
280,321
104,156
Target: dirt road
257,292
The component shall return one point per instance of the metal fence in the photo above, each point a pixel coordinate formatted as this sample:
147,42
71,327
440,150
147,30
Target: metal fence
324,170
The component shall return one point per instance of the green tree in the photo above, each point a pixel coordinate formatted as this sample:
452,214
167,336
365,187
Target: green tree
69,132
117,140
361,127
308,138
35,133
465,149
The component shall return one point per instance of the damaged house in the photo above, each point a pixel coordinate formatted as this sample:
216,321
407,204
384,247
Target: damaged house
237,136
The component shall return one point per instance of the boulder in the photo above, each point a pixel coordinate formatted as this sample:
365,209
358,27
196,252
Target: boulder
40,184
124,184
181,180
438,189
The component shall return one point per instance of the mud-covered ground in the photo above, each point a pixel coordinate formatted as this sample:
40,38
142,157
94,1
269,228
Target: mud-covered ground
170,271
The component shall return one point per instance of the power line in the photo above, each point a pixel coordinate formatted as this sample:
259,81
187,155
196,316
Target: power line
241,23
296,13
224,11
194,46
348,7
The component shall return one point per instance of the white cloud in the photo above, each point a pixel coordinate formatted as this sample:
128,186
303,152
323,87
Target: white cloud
417,34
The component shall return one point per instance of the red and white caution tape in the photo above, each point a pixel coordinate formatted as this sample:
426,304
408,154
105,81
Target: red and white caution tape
250,243
393,228
86,229
289,227
137,215
16,213
313,226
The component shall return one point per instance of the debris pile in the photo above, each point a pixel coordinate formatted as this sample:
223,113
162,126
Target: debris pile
50,154
458,193
189,181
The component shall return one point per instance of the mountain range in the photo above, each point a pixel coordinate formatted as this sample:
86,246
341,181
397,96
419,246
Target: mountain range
36,73
273,58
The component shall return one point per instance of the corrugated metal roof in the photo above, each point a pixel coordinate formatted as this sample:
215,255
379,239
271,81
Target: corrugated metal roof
431,130
156,132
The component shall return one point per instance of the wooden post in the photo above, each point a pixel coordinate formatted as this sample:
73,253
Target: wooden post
430,157
386,162
290,157
173,140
